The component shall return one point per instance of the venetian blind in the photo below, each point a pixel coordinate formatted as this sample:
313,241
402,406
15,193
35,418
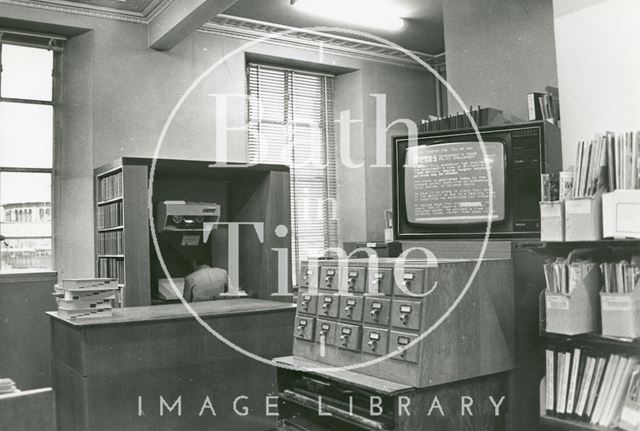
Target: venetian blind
291,122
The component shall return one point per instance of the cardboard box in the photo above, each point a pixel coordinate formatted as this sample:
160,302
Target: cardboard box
621,314
577,312
621,214
583,218
552,221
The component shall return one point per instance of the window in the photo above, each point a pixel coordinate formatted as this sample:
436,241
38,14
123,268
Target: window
26,156
291,123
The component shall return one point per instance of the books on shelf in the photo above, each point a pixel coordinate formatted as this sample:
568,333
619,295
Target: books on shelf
110,187
110,242
481,116
111,267
621,277
610,162
86,297
543,106
563,276
586,386
630,413
110,215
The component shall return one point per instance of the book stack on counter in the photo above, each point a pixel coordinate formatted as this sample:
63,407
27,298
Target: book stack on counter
8,386
593,388
86,298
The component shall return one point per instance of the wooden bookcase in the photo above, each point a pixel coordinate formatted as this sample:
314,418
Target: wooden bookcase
257,193
593,341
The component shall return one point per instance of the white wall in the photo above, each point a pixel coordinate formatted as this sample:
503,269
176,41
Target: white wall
597,45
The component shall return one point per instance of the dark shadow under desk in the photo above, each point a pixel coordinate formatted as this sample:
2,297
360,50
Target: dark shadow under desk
115,373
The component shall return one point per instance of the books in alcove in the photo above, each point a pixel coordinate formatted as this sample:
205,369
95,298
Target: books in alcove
481,116
110,242
110,187
111,267
610,162
110,215
591,387
86,297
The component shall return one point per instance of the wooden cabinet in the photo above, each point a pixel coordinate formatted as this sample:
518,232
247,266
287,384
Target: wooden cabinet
114,373
246,194
469,333
28,410
313,396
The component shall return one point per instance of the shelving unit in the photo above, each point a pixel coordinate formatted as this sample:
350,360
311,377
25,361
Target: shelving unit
596,340
109,190
562,248
592,341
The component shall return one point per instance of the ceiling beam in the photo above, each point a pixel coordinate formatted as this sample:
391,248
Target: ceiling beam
180,19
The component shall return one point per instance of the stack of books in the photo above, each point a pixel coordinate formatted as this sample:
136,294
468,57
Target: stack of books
8,386
86,297
589,387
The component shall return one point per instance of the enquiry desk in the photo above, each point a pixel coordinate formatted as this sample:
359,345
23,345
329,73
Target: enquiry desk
157,368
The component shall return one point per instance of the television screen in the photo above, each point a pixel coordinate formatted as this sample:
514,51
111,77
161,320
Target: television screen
447,183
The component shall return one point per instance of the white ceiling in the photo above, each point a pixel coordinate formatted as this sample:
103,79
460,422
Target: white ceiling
423,30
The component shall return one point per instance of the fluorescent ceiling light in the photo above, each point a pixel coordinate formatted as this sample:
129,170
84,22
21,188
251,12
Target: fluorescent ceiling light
367,13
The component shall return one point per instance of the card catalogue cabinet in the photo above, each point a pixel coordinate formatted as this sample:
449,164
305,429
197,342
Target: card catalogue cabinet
349,314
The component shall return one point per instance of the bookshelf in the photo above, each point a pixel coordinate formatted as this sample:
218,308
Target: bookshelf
121,229
123,246
110,230
592,347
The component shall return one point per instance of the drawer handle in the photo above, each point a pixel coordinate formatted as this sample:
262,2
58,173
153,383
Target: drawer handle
404,317
344,339
351,282
374,314
402,352
372,344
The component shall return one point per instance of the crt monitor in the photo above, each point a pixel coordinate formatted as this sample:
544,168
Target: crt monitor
449,183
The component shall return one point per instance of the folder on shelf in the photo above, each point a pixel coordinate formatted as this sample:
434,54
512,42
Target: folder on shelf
621,314
620,211
552,221
583,218
578,311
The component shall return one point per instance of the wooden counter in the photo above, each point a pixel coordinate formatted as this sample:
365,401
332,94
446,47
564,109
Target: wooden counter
125,372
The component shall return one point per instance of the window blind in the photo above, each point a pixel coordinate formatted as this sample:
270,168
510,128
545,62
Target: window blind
291,122
31,39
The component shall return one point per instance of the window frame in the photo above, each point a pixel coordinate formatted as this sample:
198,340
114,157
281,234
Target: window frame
330,149
52,45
